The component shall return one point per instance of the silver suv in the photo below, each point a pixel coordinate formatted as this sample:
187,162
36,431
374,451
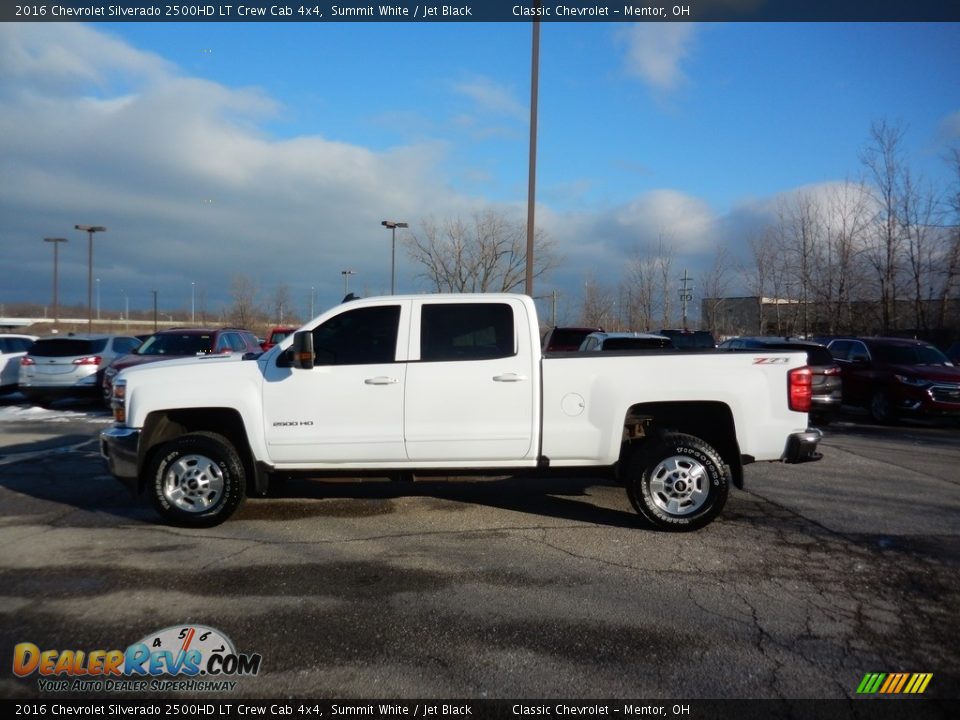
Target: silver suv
12,349
69,365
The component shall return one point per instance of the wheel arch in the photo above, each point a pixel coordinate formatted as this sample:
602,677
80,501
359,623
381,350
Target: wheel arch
164,425
712,422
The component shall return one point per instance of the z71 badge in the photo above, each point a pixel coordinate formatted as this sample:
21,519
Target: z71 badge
770,360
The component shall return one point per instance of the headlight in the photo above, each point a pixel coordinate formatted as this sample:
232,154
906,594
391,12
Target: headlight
911,381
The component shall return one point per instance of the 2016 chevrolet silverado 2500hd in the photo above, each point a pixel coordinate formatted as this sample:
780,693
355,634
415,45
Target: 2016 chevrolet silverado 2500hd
458,384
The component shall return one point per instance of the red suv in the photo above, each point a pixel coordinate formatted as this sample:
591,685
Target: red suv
179,343
893,377
276,335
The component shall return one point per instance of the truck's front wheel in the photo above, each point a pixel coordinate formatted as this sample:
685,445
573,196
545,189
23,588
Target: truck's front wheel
677,481
196,480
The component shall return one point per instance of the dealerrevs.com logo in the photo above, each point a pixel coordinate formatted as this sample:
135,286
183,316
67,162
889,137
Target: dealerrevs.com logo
177,658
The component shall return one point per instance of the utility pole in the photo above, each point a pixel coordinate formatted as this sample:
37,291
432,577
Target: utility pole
56,280
686,295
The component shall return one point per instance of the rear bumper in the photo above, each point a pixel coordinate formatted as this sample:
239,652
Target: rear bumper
802,446
118,446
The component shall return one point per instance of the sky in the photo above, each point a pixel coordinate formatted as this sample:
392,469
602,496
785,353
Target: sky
274,151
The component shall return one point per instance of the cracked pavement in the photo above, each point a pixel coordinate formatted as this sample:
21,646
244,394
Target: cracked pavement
509,588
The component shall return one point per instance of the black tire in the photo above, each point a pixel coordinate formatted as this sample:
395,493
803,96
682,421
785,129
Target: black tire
677,482
196,480
881,409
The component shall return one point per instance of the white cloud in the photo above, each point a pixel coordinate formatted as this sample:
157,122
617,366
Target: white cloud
655,52
492,97
188,185
950,127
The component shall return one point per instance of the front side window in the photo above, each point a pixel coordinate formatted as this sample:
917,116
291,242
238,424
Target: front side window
466,331
365,336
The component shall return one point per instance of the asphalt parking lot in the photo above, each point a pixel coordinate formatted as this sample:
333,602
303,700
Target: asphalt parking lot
509,588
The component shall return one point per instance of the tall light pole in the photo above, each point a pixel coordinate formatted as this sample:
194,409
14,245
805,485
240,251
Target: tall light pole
313,291
392,225
90,230
346,280
56,281
532,171
193,297
98,298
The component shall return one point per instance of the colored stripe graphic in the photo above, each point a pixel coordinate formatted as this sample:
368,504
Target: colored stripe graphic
894,683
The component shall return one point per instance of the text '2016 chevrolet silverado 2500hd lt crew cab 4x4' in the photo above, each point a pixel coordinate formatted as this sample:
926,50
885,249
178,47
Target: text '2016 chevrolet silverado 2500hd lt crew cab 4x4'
453,384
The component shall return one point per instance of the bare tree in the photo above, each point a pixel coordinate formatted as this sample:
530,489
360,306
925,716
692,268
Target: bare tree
599,308
917,210
486,254
882,159
766,277
282,305
950,254
245,311
647,286
715,285
838,276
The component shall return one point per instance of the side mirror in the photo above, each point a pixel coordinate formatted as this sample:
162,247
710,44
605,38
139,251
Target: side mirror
302,350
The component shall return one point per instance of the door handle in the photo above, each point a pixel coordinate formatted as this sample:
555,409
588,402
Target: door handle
509,377
380,380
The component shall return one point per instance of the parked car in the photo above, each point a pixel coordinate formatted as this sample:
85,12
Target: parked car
182,342
276,335
69,365
566,339
691,339
892,377
600,341
827,375
12,349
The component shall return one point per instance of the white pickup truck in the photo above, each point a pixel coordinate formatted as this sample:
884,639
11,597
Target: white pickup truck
453,384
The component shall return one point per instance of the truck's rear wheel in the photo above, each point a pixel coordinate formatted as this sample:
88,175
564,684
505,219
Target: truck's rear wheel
677,481
196,480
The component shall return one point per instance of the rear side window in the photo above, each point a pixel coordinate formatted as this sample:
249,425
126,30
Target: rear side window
124,345
15,344
466,331
365,336
67,347
635,343
818,356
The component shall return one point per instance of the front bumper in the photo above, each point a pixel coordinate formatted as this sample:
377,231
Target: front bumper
119,446
802,446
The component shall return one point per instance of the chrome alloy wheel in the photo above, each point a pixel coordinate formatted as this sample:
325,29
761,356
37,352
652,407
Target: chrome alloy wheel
679,485
193,483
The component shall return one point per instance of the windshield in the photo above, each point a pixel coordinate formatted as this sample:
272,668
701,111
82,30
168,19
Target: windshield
909,355
177,344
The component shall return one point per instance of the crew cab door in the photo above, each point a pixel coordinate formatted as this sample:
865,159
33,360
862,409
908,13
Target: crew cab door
349,406
470,382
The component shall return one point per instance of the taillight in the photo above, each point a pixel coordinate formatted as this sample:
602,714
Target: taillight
88,360
24,361
800,389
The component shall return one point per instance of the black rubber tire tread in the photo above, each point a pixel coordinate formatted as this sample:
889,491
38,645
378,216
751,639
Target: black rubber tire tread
649,454
217,448
881,408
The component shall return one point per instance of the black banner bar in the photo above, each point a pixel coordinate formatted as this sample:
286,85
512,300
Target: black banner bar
624,11
223,708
